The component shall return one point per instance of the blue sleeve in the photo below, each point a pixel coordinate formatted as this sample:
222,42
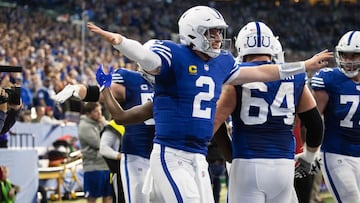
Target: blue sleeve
119,76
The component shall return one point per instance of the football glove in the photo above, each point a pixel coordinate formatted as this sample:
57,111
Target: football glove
104,80
315,166
303,163
302,168
66,93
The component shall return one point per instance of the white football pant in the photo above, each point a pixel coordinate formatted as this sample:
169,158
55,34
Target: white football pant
180,176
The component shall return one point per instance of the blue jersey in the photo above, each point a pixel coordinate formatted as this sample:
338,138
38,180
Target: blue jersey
342,112
186,93
264,116
138,138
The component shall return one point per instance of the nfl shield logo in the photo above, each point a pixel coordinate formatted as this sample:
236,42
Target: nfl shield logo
206,67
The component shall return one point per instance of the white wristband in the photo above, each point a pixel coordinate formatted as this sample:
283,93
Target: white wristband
76,91
290,69
308,156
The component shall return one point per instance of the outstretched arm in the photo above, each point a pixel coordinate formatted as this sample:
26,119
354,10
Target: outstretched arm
80,91
271,72
133,115
132,49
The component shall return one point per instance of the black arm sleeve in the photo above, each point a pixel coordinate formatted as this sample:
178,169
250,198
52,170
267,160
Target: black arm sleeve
3,116
315,128
12,116
92,93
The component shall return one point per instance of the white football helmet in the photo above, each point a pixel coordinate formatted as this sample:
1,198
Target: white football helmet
194,24
279,56
254,38
349,43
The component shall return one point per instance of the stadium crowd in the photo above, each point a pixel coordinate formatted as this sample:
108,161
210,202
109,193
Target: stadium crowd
49,40
44,38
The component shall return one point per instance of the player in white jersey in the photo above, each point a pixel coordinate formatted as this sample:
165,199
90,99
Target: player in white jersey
337,92
188,82
263,117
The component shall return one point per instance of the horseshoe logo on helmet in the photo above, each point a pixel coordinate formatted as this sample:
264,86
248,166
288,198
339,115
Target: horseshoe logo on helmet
252,41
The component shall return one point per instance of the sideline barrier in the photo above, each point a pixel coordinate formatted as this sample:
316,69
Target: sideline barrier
24,139
43,134
27,142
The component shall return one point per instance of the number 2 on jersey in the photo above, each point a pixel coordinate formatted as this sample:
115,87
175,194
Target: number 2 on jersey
203,96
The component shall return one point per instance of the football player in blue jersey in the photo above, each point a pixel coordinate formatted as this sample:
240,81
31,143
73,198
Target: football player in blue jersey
188,80
337,92
130,89
303,182
263,117
138,138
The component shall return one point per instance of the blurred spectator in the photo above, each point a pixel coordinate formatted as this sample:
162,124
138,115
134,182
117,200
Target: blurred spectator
44,95
96,172
3,60
25,116
25,93
9,113
7,189
40,112
49,118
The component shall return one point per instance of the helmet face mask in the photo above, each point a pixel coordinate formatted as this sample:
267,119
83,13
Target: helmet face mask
147,76
196,24
254,38
347,54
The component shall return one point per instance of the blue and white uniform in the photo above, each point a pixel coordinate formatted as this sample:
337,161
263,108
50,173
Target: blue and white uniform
186,93
341,145
263,143
137,141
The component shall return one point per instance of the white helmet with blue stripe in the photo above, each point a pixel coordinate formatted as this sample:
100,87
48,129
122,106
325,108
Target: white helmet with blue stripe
279,56
194,24
254,38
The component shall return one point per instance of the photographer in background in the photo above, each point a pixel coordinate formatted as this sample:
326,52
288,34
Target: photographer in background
10,106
